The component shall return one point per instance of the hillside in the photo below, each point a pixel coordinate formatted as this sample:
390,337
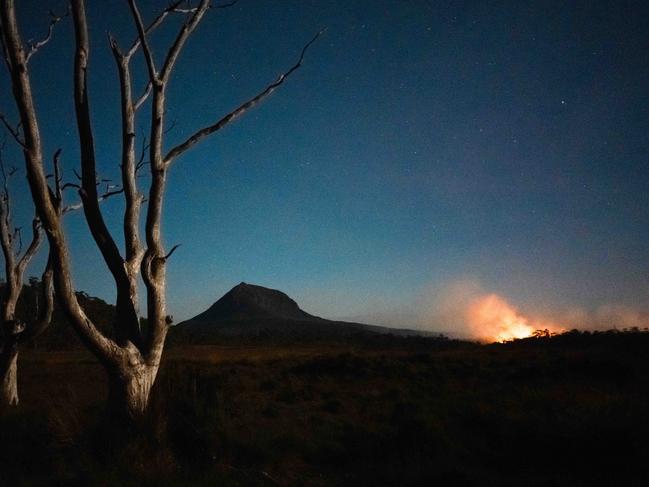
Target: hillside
251,310
60,335
248,302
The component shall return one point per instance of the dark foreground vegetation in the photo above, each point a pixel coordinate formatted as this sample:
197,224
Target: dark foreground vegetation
567,410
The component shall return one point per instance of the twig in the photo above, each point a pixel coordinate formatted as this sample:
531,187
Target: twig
54,19
173,249
14,131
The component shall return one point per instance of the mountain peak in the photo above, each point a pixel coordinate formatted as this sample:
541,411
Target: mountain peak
249,301
249,309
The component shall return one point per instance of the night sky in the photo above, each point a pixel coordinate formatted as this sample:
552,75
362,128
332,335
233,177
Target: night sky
421,143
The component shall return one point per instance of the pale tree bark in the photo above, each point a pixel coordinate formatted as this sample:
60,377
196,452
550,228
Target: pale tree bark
15,332
9,377
15,261
132,356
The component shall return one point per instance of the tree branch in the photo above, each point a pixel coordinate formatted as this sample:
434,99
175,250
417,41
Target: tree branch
156,22
148,55
100,198
6,238
140,101
105,348
3,47
173,249
54,19
88,193
152,264
58,189
206,131
226,5
136,44
14,131
181,38
126,321
37,237
45,304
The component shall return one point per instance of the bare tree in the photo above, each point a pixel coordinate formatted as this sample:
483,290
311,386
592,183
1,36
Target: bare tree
132,356
14,331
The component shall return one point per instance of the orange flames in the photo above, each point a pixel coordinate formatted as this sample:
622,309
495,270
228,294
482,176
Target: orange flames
492,318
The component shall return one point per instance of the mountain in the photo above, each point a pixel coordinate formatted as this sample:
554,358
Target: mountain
245,311
251,310
248,301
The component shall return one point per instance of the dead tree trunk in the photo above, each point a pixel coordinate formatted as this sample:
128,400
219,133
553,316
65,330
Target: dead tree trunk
129,388
132,357
15,332
9,364
12,330
9,371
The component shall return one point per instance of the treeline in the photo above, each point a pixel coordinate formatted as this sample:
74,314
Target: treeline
628,338
60,335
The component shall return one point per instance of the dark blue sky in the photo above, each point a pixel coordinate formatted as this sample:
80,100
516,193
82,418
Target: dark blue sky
421,142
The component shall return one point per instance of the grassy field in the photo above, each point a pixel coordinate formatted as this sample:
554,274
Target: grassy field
545,412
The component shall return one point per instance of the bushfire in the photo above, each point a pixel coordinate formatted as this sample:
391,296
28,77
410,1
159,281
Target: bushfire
491,318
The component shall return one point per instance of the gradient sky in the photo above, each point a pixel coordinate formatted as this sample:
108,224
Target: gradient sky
421,142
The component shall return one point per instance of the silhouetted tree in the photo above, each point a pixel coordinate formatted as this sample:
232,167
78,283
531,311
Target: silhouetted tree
132,357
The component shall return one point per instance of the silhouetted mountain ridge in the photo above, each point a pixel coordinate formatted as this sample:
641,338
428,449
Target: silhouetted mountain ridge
248,301
249,309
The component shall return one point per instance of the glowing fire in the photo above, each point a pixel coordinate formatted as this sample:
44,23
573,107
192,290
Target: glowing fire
492,318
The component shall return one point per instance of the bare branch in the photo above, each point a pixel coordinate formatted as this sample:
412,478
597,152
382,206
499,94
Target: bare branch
18,235
70,185
126,321
76,206
88,193
14,131
58,190
104,347
110,193
156,22
173,249
185,10
173,8
45,304
54,19
152,265
148,55
5,209
141,162
226,5
6,173
204,132
37,237
172,126
181,38
140,101
111,189
3,46
5,239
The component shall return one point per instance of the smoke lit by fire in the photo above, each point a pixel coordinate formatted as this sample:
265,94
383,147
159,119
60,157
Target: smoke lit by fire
464,308
491,318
